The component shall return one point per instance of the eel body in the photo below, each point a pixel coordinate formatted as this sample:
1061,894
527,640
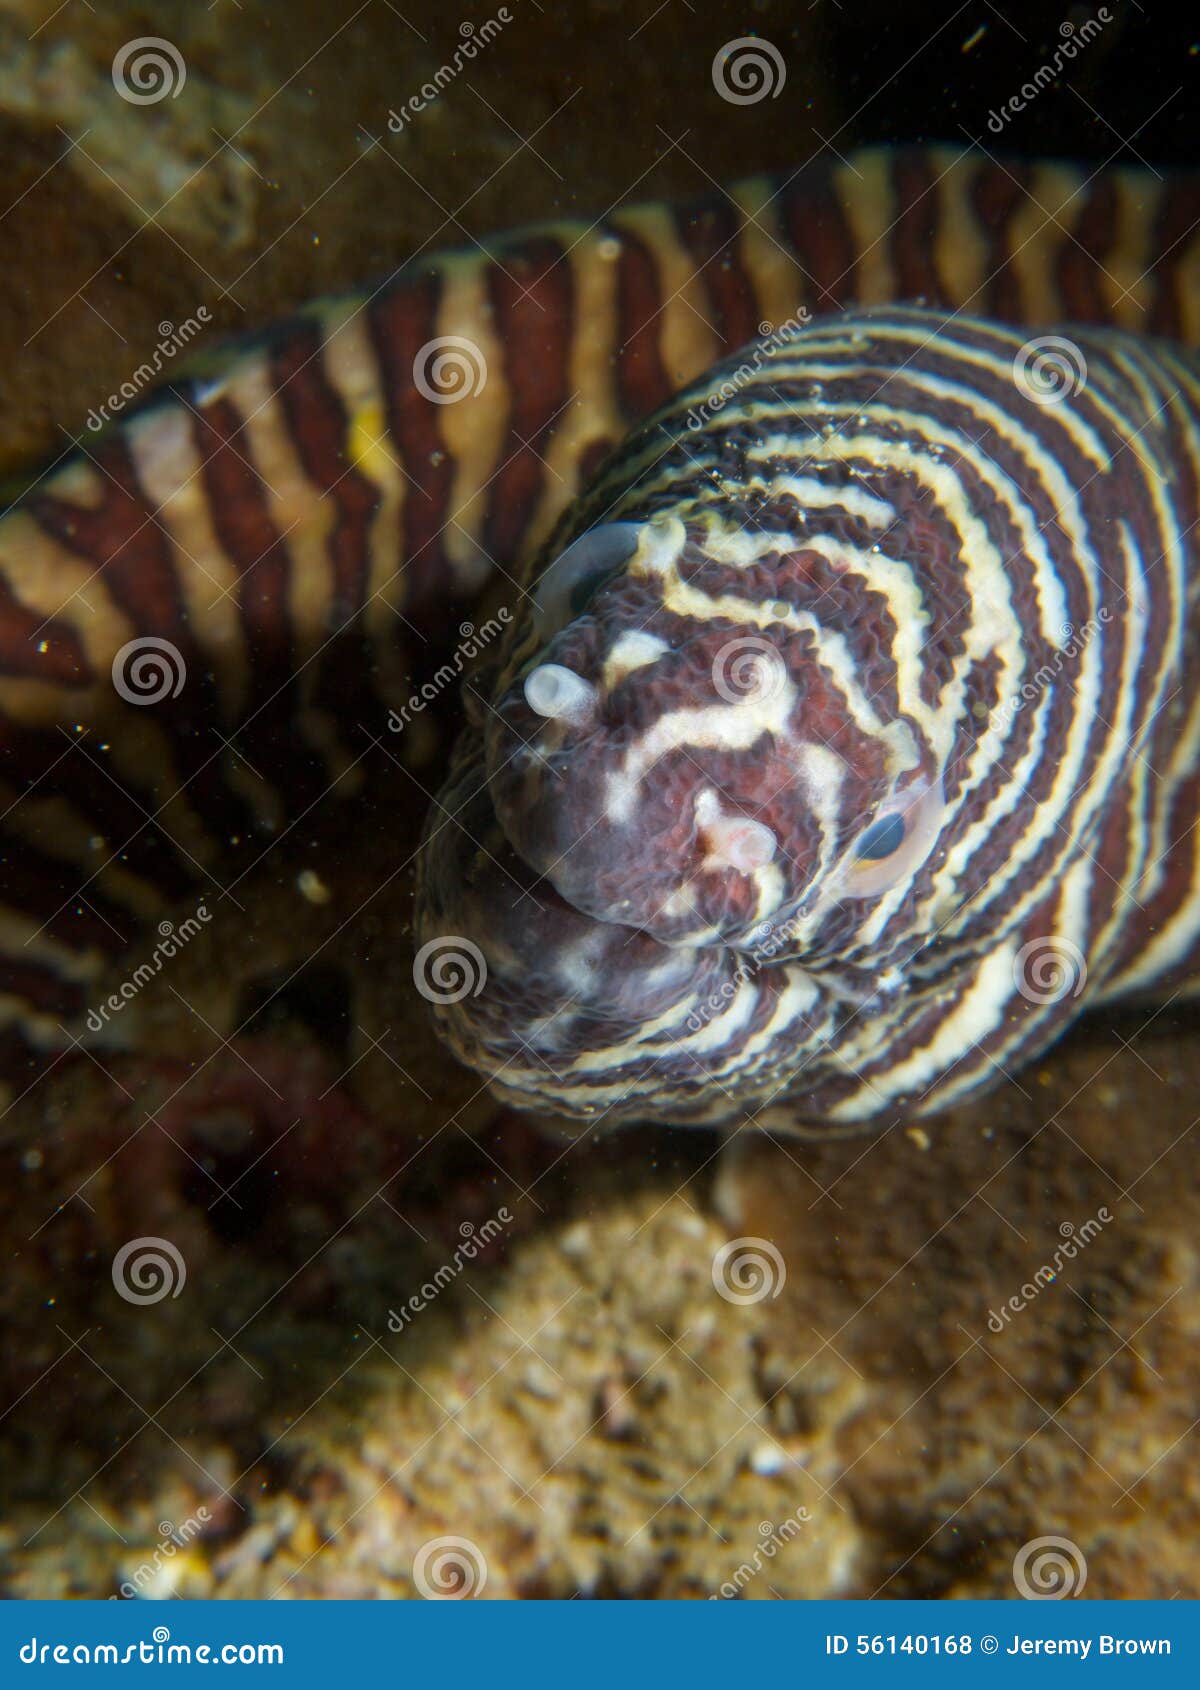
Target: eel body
840,675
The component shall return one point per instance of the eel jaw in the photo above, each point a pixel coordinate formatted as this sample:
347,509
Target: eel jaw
526,989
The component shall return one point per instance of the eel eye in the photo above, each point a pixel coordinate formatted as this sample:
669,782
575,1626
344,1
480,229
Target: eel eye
881,839
567,586
891,849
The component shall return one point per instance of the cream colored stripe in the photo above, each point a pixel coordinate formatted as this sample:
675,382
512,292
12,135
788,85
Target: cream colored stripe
301,514
1072,951
22,937
834,654
593,412
688,343
168,466
976,1013
1167,948
865,191
473,427
1139,198
1037,235
992,591
960,246
63,834
765,252
930,333
50,580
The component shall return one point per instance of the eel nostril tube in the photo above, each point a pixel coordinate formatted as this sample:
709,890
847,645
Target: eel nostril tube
733,841
740,844
559,694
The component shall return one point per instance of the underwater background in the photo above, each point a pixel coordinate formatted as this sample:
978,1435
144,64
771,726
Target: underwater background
407,1343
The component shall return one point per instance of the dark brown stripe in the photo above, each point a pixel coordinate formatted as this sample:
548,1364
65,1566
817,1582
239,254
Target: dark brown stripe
1174,233
1114,852
1176,869
403,320
817,227
317,419
121,539
642,380
594,455
1080,261
64,898
710,234
914,231
34,648
19,1066
34,761
246,530
533,304
37,985
997,195
319,426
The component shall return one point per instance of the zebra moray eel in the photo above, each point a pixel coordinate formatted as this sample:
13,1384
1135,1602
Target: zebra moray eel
750,816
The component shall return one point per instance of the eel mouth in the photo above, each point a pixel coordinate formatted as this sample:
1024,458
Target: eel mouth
553,1006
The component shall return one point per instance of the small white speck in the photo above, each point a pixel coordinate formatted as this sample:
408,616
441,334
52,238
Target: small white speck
768,1459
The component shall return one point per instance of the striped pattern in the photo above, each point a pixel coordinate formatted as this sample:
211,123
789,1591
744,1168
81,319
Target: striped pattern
307,528
883,585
